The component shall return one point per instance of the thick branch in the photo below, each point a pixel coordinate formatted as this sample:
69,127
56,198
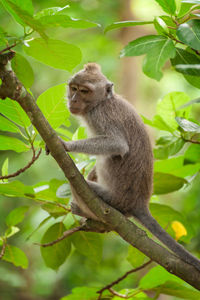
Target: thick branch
110,216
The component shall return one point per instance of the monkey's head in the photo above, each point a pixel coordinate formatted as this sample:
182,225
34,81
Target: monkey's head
87,89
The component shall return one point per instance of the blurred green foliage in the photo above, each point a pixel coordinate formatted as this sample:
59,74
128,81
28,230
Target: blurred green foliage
92,259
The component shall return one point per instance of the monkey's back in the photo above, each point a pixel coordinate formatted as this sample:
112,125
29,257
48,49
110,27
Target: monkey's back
129,178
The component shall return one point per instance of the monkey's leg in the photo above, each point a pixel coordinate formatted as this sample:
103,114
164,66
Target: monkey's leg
101,192
92,176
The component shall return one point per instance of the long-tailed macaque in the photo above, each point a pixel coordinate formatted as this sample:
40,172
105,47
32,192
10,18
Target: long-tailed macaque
124,167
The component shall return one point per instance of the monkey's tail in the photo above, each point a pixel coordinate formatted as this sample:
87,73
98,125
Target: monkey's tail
152,225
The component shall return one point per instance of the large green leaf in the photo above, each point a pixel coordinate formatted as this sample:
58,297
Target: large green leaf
187,125
169,147
158,122
59,20
16,216
17,189
16,256
189,33
10,143
158,48
122,24
155,277
169,108
54,256
23,70
51,11
176,289
193,70
166,183
6,125
13,111
88,244
55,53
184,57
53,105
82,293
21,13
169,6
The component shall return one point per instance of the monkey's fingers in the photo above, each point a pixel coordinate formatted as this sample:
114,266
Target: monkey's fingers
47,151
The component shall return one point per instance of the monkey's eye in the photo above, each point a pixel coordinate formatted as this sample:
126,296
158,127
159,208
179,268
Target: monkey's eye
73,88
84,91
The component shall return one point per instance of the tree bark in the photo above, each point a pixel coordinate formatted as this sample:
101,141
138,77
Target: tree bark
12,88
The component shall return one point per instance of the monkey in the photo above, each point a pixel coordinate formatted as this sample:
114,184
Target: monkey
123,174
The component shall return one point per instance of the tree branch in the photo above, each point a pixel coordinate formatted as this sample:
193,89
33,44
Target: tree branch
11,87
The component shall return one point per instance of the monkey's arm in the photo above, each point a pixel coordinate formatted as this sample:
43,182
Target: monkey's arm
107,145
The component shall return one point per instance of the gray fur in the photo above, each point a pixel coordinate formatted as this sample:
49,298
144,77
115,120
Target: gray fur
124,168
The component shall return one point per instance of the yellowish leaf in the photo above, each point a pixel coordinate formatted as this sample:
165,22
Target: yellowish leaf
179,229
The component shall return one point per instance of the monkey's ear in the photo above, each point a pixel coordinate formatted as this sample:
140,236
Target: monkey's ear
109,90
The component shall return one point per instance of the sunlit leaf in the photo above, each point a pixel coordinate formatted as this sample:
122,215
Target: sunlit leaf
171,146
11,231
166,183
53,105
16,189
13,111
23,70
193,70
16,256
10,143
169,6
55,53
122,24
189,33
83,293
187,125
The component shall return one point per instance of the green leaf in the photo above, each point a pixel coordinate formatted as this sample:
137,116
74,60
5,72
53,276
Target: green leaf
13,111
50,11
55,53
189,34
83,293
53,105
169,108
169,6
187,125
11,231
23,70
155,277
16,216
22,15
158,48
194,101
48,191
186,58
10,143
191,1
192,154
59,20
166,183
80,133
158,122
135,257
160,26
122,24
6,125
88,244
177,289
16,256
38,227
63,191
5,169
54,256
16,189
193,70
54,210
171,146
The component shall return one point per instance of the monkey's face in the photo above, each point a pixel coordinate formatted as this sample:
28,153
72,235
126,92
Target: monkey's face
80,98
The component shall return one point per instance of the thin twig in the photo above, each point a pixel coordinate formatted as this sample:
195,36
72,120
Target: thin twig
107,287
115,293
65,234
34,158
191,141
3,249
8,48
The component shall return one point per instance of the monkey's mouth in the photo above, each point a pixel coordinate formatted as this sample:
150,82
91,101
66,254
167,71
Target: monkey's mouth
74,110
